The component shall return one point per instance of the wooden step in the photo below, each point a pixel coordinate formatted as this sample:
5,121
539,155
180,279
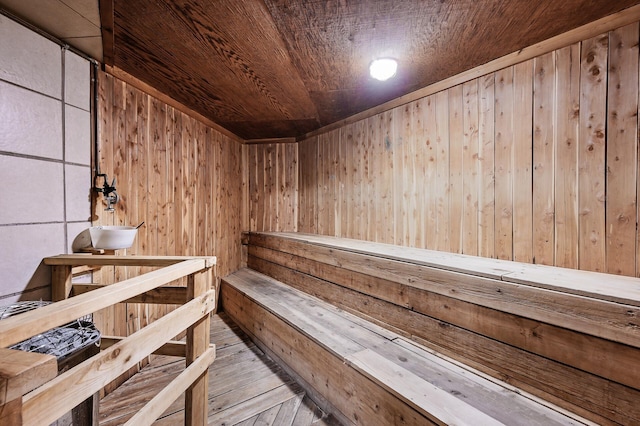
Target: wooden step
568,337
368,373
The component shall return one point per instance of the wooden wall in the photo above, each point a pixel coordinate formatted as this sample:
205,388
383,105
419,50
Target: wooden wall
179,176
272,175
536,163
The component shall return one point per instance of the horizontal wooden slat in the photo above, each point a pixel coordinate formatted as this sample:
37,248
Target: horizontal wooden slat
439,406
171,348
82,270
20,327
613,288
154,408
151,261
47,403
162,295
609,287
21,372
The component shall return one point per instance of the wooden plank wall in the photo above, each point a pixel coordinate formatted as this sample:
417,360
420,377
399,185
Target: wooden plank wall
273,186
536,162
181,177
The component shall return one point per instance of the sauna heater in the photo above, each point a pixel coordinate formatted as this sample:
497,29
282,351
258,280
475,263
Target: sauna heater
62,342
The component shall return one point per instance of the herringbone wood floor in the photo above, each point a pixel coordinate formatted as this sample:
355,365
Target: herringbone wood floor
245,387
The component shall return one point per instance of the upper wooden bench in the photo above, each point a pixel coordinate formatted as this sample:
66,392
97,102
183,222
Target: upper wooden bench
569,337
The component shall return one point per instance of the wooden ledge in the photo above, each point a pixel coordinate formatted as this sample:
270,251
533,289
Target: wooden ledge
171,348
434,403
165,295
596,285
21,372
112,260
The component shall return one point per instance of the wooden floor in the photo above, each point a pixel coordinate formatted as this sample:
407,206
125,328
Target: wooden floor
245,387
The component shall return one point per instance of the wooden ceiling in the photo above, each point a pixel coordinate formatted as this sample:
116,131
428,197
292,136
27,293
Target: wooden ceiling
283,68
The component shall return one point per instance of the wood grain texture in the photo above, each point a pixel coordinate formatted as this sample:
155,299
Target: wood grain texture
430,177
591,153
470,168
567,116
332,379
274,69
303,330
456,168
505,292
437,405
181,177
522,162
544,144
21,372
504,158
622,150
559,41
160,402
48,402
168,295
535,353
244,384
18,328
274,200
486,173
196,388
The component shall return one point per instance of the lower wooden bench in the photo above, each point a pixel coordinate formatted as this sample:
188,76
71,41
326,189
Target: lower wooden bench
366,374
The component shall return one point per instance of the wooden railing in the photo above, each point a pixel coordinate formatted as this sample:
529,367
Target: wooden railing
32,392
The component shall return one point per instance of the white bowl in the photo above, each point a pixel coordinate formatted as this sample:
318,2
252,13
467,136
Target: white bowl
112,237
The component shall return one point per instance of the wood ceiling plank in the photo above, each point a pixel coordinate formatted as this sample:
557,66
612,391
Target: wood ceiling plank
227,57
283,68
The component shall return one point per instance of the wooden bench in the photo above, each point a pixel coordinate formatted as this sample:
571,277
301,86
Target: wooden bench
365,373
568,337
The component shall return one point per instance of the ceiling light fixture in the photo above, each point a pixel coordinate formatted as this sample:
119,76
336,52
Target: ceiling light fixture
383,69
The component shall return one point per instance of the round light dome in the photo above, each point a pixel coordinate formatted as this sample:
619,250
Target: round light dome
383,69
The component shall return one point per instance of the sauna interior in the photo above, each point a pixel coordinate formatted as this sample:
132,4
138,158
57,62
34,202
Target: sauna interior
456,245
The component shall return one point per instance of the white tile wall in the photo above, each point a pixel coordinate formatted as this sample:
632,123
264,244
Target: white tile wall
78,187
30,190
35,176
29,60
30,123
77,77
22,250
77,135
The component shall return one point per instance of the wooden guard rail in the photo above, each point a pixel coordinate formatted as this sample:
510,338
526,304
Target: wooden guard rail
32,392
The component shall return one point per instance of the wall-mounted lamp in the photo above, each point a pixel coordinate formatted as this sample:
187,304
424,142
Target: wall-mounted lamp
108,190
383,68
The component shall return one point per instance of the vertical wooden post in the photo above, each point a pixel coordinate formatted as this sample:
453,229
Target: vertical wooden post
60,282
196,397
11,412
61,275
